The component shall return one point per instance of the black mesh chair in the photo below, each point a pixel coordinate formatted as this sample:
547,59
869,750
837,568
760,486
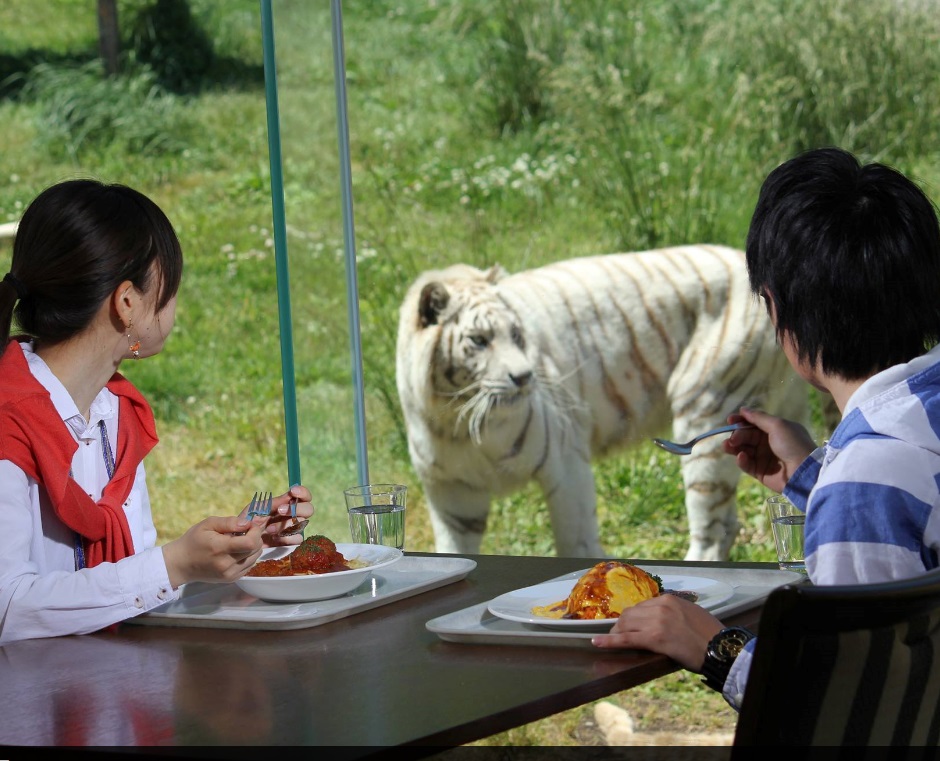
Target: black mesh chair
845,666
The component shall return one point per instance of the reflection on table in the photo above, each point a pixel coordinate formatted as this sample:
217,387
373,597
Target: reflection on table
372,680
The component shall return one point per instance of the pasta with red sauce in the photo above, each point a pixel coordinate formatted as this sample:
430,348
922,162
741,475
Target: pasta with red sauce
316,554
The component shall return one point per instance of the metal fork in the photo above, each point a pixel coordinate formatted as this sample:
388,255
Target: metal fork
261,504
255,509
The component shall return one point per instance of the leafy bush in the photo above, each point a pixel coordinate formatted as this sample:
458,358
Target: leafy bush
858,75
82,110
520,41
678,107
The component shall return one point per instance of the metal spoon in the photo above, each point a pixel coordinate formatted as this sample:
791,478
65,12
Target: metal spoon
296,526
672,446
294,529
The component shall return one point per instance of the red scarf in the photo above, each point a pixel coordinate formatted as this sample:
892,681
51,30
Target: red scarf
34,438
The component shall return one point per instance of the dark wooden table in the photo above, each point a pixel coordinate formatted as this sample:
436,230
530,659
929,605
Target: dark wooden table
367,683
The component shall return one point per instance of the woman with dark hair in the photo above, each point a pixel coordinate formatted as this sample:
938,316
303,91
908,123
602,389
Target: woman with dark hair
92,282
847,259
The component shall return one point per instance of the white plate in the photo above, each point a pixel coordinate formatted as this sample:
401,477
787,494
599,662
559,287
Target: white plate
517,606
318,586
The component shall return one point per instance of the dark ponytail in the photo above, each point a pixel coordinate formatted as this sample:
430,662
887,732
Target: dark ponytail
8,296
77,241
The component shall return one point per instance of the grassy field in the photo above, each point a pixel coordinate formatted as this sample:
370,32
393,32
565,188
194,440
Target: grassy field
519,132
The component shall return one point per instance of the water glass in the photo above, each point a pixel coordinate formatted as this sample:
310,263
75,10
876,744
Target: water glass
786,521
377,514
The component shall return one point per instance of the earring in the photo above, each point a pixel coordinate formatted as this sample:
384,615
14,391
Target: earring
132,345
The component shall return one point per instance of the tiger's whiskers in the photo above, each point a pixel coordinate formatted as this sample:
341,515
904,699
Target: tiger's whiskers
474,411
484,395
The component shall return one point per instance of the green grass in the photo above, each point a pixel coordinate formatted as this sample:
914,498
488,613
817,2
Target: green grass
511,131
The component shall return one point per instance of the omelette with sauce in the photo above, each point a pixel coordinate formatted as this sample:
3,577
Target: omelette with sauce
604,591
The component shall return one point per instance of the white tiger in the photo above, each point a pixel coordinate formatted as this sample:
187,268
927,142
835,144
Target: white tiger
508,378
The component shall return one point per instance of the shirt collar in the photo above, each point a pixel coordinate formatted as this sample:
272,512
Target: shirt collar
887,379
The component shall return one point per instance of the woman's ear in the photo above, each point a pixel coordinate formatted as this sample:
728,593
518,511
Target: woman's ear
125,300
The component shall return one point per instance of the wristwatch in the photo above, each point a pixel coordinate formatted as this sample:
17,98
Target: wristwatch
720,654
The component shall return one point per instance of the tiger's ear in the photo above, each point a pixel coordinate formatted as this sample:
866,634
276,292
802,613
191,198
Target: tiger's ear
495,273
431,303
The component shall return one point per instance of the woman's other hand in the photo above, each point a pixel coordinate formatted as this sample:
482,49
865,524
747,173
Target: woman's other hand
281,518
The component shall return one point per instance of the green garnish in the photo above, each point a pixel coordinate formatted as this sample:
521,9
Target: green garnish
659,581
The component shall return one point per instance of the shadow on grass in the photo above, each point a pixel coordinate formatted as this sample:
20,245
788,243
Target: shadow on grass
15,68
222,73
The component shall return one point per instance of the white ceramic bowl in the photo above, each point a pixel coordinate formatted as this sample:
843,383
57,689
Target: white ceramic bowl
318,586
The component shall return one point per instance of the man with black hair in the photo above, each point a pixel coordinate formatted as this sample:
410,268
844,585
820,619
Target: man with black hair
847,259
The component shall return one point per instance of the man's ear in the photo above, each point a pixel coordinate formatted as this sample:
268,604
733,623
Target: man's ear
769,302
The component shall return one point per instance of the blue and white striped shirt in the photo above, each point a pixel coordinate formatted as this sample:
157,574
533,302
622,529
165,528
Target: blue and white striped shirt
872,492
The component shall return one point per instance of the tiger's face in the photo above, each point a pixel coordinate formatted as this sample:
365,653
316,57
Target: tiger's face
480,365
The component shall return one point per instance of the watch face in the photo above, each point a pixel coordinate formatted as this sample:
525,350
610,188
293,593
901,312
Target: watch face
730,642
732,646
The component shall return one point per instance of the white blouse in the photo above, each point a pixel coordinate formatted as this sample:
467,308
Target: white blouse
41,593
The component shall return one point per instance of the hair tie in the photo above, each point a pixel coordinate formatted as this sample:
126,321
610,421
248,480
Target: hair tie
21,290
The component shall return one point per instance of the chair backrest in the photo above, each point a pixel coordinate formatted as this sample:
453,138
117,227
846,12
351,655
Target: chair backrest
846,665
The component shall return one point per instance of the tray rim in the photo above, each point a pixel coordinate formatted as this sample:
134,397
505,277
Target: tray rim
513,633
321,611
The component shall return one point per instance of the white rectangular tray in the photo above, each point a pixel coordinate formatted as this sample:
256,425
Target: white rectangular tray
225,606
476,625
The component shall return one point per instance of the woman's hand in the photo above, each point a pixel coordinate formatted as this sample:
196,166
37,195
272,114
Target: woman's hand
215,549
668,625
280,516
772,450
225,549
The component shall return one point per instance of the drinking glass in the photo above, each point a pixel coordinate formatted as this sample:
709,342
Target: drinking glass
786,521
377,514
